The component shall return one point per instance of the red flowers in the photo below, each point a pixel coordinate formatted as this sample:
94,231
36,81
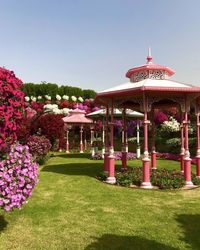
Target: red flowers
11,107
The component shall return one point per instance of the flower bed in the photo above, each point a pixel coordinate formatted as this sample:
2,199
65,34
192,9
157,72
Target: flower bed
162,178
174,157
118,156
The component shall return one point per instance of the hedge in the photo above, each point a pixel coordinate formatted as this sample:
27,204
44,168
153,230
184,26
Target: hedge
52,89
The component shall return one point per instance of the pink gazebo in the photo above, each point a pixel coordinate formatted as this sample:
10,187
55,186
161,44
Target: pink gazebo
149,88
77,117
119,114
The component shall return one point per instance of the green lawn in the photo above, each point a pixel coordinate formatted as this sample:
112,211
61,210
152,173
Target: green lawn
71,209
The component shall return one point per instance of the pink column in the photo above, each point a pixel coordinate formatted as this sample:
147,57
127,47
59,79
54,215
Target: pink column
182,153
111,158
103,138
81,139
91,137
85,140
138,140
153,148
146,161
198,141
124,153
73,141
67,142
187,159
106,154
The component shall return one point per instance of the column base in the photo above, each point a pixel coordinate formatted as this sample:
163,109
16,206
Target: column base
60,150
154,168
189,184
146,185
81,152
198,166
111,180
67,152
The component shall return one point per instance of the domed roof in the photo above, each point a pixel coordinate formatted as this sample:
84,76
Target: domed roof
77,116
149,70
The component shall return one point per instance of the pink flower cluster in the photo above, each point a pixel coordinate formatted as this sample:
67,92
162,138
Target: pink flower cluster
18,177
39,146
174,157
11,107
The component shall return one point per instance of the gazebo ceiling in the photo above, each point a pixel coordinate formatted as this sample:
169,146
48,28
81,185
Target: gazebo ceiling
117,113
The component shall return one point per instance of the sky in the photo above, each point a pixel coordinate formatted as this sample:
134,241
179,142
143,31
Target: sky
91,44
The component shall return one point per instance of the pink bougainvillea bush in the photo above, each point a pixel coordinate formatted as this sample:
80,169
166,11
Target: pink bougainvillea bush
18,177
11,108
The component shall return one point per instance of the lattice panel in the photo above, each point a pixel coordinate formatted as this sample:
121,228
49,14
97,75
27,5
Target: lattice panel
157,74
140,76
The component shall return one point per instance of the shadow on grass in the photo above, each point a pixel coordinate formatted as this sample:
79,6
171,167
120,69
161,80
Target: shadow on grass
87,169
117,242
73,155
3,223
190,223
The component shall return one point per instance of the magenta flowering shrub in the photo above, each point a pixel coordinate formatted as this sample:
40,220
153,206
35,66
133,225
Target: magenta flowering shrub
160,117
18,177
11,108
168,156
118,156
39,146
174,157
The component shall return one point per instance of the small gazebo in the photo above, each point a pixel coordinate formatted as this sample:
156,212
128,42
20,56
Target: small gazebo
119,114
149,88
77,117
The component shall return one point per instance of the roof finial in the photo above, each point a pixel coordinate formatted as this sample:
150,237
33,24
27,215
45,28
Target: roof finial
149,57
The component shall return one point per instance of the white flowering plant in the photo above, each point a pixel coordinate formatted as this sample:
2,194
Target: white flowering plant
27,98
48,97
50,107
65,111
58,97
74,99
80,99
170,126
33,98
65,97
53,108
39,97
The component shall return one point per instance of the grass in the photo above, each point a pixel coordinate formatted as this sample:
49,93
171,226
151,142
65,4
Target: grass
71,209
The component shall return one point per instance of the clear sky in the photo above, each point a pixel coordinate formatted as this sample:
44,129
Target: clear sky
92,43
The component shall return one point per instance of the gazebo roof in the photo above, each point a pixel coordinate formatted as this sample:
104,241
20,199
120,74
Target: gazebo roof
151,85
77,116
150,66
149,78
117,113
